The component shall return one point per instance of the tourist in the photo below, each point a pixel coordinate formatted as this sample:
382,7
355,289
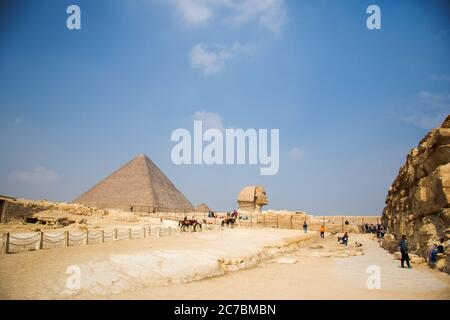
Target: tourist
404,251
432,255
440,247
345,239
305,227
322,231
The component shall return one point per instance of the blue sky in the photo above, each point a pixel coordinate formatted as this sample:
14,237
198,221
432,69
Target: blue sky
349,102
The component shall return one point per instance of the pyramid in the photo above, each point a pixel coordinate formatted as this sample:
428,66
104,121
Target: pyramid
139,183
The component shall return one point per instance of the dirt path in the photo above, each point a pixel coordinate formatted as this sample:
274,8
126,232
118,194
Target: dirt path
314,277
185,267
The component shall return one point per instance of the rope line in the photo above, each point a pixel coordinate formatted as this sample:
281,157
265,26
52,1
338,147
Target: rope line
53,237
77,235
77,238
23,244
26,238
51,241
95,238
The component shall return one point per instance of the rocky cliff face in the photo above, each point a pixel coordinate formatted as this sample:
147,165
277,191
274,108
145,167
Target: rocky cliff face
418,202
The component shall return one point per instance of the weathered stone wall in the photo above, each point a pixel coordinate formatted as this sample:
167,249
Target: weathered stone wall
20,209
418,202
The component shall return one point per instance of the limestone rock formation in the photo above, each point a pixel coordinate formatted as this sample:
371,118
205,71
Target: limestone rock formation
23,209
418,202
252,198
139,183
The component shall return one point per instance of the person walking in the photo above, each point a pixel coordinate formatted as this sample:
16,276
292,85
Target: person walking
322,231
305,227
404,251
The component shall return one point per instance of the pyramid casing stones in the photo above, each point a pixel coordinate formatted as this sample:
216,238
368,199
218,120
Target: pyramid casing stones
138,183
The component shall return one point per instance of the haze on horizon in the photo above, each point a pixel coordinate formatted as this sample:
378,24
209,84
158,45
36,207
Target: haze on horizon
349,102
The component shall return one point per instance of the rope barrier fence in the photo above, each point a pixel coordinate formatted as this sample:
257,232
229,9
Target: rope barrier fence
14,242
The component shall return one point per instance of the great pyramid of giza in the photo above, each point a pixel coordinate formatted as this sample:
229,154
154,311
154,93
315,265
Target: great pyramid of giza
138,183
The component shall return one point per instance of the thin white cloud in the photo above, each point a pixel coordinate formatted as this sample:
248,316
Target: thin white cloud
295,153
210,120
434,98
439,77
212,59
18,122
194,12
430,110
269,14
37,176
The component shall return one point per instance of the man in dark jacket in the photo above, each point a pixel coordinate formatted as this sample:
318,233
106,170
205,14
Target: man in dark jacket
404,251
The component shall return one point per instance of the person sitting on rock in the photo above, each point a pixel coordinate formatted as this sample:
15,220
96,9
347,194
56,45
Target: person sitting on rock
432,255
345,239
440,247
404,251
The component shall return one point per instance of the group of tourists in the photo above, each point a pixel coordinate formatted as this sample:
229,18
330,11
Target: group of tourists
212,214
377,229
230,214
434,250
322,229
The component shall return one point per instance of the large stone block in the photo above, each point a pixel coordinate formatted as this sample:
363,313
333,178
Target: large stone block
433,191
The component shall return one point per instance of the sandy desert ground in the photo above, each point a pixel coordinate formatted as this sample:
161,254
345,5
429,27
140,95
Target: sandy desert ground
235,263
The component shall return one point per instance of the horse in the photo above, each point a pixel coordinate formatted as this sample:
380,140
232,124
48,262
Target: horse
183,224
228,222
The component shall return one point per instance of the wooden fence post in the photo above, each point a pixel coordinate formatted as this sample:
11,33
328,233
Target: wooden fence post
143,230
87,236
115,234
291,220
41,240
66,236
129,233
7,243
264,220
103,235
